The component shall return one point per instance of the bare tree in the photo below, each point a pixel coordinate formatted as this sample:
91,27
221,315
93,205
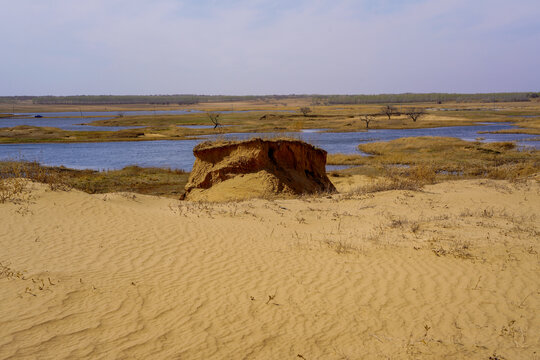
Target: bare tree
214,118
305,110
389,110
367,119
415,113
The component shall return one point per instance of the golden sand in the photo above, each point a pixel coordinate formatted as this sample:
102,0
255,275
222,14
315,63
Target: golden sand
450,272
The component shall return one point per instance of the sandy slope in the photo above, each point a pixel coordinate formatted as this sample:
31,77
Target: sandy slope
450,272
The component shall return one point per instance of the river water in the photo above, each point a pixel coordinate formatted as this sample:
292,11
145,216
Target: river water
76,121
82,114
178,154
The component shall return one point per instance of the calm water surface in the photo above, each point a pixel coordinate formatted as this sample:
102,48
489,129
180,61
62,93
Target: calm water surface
77,114
73,121
179,154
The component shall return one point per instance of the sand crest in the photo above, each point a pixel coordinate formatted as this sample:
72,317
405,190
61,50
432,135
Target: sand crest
449,272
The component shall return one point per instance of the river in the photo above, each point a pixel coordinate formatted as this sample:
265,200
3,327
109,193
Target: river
178,154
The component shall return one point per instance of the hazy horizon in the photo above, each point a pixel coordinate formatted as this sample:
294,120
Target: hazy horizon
262,47
280,95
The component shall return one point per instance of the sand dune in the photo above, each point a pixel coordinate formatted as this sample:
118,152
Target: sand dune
449,272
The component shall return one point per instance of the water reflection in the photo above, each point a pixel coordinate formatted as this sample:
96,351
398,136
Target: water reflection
179,154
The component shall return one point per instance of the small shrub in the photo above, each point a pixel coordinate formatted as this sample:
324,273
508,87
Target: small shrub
305,110
12,184
424,174
11,190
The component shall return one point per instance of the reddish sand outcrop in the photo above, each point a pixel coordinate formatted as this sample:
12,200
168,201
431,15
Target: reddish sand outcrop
256,168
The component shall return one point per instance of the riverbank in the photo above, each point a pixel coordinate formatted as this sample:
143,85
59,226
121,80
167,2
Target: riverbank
401,163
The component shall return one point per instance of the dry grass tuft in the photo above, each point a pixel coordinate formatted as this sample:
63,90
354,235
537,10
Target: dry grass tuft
458,250
413,179
6,272
14,171
11,190
342,247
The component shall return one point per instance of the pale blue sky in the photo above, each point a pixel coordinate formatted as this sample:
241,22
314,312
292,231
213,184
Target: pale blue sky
68,47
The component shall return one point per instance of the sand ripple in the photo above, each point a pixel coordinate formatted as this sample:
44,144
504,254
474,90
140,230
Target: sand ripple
451,272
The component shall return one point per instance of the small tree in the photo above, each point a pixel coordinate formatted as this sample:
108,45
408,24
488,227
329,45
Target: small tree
214,118
415,113
305,110
367,119
389,110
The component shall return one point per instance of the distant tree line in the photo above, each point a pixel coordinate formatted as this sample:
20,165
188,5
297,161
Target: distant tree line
150,99
415,98
188,99
11,99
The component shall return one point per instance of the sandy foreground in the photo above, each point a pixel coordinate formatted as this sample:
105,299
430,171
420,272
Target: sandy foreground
449,272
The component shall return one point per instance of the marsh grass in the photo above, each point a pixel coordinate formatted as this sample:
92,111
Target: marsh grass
149,181
431,159
14,176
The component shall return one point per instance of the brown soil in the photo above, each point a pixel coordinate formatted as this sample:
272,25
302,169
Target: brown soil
257,168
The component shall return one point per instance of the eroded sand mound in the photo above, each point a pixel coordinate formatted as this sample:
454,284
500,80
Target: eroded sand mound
256,168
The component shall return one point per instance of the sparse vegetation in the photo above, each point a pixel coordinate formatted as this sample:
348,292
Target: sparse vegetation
389,110
214,118
14,177
305,110
11,190
6,272
415,113
342,247
413,178
367,119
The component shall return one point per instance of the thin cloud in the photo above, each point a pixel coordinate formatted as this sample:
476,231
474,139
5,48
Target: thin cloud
267,47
